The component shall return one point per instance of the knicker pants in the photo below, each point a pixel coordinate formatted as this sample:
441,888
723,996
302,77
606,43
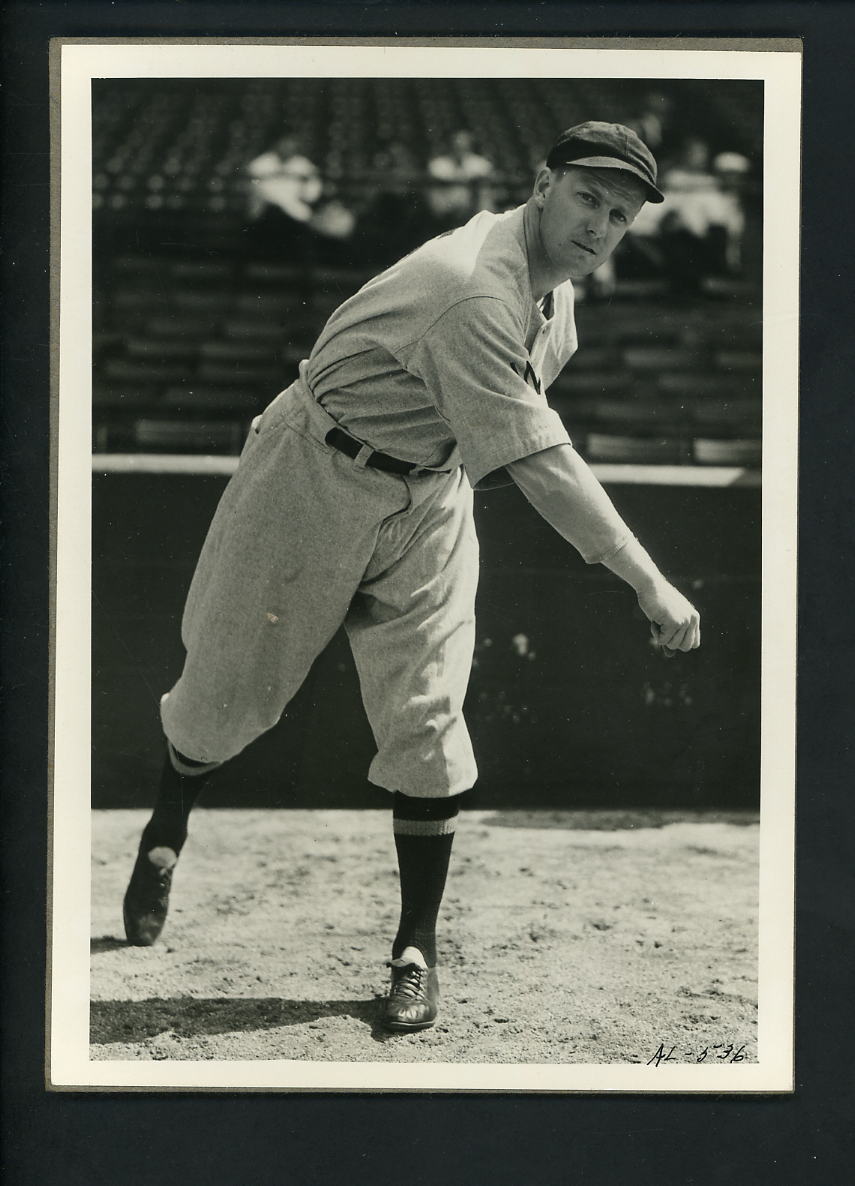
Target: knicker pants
306,539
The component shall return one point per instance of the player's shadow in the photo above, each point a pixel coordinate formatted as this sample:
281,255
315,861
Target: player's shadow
105,943
617,819
190,1017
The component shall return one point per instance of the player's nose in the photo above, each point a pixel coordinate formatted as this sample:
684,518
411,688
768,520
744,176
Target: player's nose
597,224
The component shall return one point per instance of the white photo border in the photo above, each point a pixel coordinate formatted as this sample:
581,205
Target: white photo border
76,63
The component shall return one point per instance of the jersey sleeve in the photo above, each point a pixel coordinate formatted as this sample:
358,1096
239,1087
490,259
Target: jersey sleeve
483,385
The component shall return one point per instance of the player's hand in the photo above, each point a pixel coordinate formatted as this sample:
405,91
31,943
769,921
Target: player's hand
674,622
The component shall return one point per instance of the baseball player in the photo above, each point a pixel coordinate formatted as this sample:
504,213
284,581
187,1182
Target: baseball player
352,504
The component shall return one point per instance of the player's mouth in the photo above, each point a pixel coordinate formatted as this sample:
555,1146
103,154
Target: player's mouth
582,246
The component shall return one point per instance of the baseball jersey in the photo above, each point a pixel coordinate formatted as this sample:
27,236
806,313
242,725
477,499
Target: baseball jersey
444,359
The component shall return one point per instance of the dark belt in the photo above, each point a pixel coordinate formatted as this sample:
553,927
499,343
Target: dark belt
340,440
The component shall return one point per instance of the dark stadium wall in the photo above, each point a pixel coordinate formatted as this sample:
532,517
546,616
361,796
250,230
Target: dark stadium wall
569,704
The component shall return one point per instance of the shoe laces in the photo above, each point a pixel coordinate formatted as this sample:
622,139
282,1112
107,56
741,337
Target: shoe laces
410,983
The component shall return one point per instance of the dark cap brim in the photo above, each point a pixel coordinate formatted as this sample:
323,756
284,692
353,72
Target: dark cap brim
610,162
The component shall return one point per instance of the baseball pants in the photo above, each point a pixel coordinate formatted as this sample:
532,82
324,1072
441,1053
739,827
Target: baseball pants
306,539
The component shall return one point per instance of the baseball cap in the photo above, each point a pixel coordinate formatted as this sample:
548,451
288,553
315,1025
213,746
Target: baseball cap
607,146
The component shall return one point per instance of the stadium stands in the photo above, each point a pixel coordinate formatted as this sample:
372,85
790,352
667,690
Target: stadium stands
193,334
641,390
179,145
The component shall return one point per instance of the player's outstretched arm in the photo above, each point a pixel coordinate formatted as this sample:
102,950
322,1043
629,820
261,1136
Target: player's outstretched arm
564,491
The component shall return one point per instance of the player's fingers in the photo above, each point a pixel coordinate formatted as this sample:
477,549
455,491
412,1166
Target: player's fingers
679,641
696,631
693,636
657,638
671,635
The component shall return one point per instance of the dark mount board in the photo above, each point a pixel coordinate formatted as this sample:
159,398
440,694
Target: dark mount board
66,1139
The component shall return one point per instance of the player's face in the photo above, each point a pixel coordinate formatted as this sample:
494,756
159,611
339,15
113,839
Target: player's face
584,215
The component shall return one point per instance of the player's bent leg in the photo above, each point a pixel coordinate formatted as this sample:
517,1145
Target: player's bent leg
290,542
424,832
146,901
287,548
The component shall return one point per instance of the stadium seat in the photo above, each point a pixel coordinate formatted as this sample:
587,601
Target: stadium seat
645,336
694,385
595,358
240,351
140,266
324,304
739,360
139,299
641,414
578,412
104,341
339,279
188,436
730,452
572,382
255,329
238,374
267,305
282,275
140,373
208,299
201,269
736,414
194,397
161,349
594,332
638,292
193,326
119,396
294,351
636,450
659,358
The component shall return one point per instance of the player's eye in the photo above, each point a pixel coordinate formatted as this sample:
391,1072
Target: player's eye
586,197
618,216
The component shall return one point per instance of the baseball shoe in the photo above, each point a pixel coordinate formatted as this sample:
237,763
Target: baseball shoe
413,1001
147,896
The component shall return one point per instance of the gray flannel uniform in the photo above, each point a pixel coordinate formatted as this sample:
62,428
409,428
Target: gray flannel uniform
443,361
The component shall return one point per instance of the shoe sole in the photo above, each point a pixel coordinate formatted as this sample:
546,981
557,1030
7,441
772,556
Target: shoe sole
403,1027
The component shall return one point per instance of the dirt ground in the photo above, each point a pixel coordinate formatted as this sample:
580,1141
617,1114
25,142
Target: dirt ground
566,937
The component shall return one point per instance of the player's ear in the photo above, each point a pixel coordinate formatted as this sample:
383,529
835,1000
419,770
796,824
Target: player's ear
542,184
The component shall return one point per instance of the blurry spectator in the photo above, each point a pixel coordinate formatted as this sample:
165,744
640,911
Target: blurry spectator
333,219
461,169
653,124
695,222
284,187
285,179
396,218
396,167
698,230
731,170
690,183
288,216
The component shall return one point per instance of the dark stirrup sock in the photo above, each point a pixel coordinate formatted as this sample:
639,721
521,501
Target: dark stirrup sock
176,796
424,832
